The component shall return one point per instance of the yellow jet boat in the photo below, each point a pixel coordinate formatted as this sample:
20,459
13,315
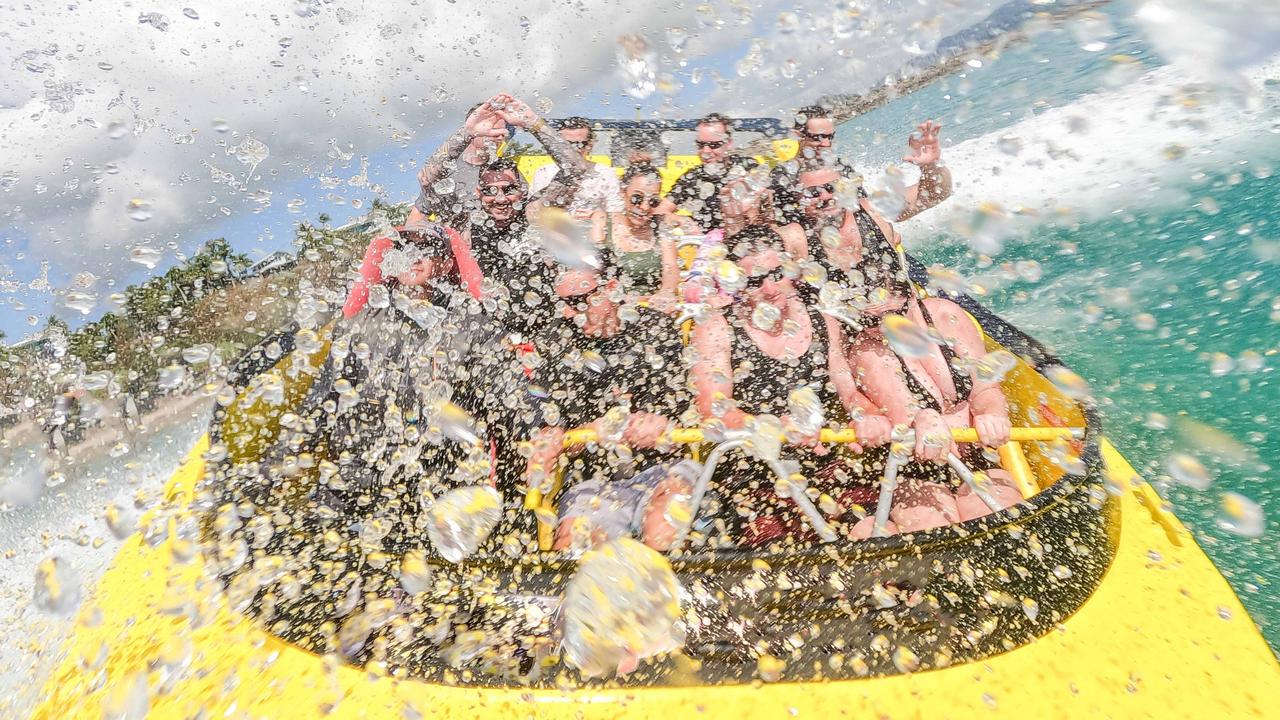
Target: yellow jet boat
1088,599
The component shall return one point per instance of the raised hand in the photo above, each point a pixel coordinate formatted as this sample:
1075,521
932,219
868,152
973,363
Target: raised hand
925,148
486,122
517,112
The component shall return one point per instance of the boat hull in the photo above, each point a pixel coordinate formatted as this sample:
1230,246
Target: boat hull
1163,635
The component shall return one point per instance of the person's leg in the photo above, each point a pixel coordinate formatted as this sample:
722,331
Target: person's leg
922,506
668,510
1002,488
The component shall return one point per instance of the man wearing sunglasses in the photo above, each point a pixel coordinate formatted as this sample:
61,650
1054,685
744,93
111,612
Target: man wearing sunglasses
698,190
815,132
450,177
598,191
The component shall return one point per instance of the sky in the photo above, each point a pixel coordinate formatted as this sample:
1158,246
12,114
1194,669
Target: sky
141,129
138,130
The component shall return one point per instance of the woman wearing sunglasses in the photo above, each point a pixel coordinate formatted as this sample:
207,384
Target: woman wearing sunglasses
641,240
932,387
751,358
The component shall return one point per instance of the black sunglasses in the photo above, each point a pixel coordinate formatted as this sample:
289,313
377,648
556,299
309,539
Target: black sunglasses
497,190
580,144
819,136
711,144
816,190
637,199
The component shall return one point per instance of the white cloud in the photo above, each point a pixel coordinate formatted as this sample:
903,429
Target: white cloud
101,106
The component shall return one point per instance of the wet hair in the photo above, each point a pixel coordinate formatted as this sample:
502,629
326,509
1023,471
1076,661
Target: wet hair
504,165
578,123
716,118
754,239
641,170
807,113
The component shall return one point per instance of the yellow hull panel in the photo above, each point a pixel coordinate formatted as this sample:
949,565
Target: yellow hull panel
1162,636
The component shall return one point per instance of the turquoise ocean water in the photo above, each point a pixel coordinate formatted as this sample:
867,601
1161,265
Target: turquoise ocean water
1171,271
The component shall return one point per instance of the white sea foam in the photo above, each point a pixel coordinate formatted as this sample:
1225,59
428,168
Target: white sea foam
1127,149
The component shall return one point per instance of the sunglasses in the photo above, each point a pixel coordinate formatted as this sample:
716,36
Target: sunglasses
494,191
755,281
816,190
637,199
711,144
580,144
420,239
820,136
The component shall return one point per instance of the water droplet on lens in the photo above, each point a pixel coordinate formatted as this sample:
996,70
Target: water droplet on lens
81,301
905,337
461,520
1241,516
145,255
122,519
620,607
765,316
57,586
139,210
1186,470
1069,383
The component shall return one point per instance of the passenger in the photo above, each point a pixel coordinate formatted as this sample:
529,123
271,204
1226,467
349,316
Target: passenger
933,395
749,219
478,186
815,134
624,381
594,512
640,239
750,358
598,190
698,189
639,147
853,245
446,178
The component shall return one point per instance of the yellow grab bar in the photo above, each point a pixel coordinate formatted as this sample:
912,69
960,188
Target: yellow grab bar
685,436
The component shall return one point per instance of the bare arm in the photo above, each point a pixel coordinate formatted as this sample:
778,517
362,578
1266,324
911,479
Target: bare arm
712,375
933,188
434,168
986,397
935,180
841,372
670,264
573,166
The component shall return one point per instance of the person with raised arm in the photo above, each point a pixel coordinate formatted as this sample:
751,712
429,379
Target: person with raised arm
815,132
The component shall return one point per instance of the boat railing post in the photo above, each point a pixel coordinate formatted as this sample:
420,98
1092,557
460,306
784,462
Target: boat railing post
976,485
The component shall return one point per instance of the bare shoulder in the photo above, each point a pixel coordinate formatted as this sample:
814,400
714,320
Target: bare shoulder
953,322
